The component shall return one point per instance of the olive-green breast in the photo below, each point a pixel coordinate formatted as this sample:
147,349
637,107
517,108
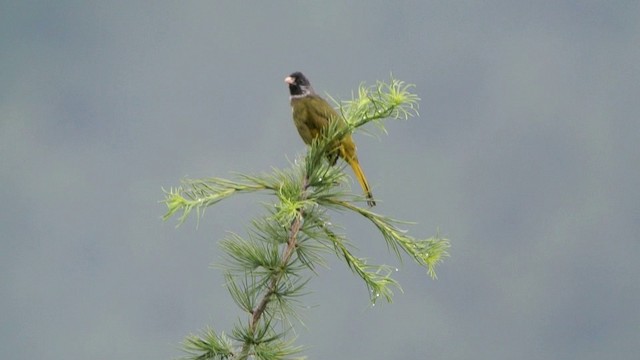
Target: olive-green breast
310,114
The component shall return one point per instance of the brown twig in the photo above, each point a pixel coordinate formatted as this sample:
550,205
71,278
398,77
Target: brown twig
286,256
287,253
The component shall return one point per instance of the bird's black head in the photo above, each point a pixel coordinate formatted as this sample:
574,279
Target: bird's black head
299,85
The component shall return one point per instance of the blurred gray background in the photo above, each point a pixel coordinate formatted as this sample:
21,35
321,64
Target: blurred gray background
525,155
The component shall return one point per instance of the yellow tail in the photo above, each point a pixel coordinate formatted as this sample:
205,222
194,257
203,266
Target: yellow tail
357,170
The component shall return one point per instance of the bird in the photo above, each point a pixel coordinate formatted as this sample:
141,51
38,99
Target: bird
311,114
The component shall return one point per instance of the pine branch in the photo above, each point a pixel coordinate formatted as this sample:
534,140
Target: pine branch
286,257
264,272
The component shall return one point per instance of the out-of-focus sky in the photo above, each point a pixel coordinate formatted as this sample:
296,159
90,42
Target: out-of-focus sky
525,155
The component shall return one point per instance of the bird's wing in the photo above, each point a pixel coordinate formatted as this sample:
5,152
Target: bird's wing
320,112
